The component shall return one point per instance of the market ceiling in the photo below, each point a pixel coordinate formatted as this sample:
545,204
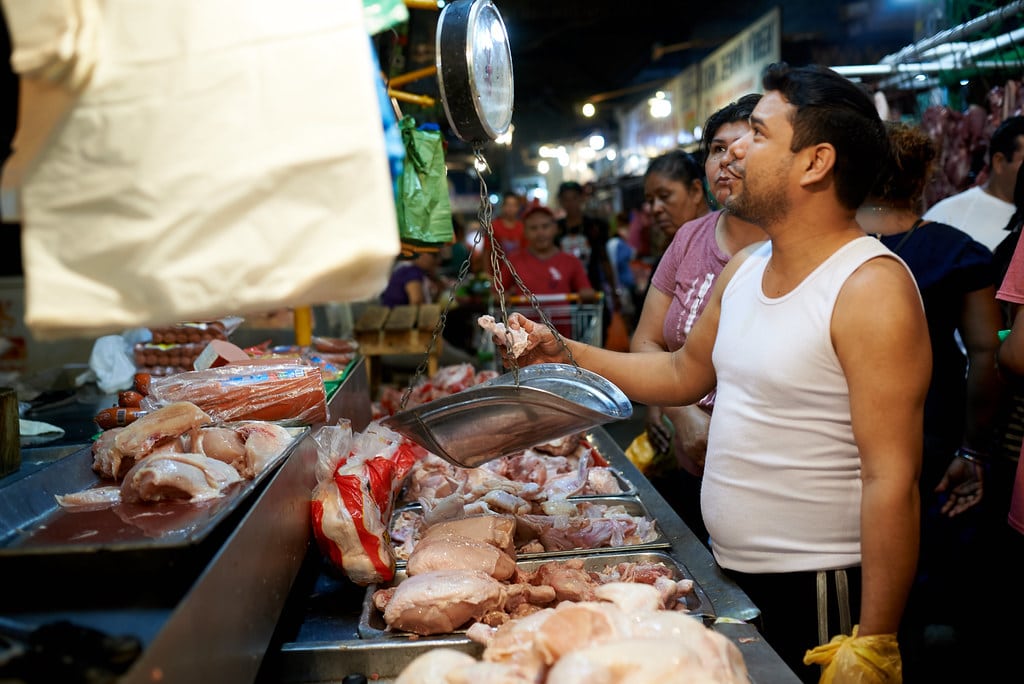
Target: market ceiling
565,52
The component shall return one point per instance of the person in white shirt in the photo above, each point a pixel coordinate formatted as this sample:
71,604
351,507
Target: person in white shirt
982,211
818,345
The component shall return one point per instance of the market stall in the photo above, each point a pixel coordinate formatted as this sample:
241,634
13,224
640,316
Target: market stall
327,633
172,591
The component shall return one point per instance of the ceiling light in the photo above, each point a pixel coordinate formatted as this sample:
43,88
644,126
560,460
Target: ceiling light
596,142
661,106
589,110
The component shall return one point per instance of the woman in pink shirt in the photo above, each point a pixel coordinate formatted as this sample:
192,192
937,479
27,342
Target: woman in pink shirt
678,294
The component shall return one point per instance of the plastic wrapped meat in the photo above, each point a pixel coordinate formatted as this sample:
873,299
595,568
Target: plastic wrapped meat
286,393
358,477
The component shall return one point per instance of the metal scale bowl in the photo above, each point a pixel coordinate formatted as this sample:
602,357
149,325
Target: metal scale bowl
499,417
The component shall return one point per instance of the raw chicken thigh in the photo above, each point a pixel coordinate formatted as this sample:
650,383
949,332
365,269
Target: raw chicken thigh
442,601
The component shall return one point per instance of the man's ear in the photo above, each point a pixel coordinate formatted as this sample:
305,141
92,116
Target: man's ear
998,160
818,160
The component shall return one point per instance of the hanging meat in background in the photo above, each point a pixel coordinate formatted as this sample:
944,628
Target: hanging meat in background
962,139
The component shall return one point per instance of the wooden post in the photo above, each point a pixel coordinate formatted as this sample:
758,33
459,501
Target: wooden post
303,326
10,432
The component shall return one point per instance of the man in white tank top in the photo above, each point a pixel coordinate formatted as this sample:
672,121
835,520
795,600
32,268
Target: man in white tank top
818,344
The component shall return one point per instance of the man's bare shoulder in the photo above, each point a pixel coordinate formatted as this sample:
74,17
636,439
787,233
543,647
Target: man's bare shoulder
881,292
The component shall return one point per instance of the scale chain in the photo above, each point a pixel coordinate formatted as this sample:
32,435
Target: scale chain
498,258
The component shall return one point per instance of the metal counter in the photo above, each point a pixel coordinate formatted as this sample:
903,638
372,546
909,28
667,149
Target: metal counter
205,611
318,638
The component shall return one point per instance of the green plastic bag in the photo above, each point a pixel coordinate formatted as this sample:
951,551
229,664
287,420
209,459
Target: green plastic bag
424,207
381,15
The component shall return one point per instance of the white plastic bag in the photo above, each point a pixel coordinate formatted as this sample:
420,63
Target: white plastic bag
225,157
111,362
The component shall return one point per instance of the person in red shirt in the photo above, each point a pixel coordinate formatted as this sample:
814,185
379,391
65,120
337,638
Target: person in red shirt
543,267
508,230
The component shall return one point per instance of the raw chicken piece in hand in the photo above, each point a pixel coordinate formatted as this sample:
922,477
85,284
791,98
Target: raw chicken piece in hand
500,332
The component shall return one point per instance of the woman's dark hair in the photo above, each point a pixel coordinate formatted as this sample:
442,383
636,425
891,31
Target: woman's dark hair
832,109
731,113
902,179
678,165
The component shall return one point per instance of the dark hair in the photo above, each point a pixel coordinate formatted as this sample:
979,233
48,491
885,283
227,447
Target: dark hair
830,108
902,179
731,113
1004,138
570,186
678,165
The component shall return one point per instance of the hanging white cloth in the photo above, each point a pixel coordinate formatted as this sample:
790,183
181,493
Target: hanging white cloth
210,157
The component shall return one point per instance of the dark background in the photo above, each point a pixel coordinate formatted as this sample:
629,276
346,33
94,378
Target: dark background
566,51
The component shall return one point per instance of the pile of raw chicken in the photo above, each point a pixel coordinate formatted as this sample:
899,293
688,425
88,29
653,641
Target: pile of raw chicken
565,620
621,637
178,452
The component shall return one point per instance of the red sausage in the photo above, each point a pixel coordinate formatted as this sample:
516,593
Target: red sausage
118,416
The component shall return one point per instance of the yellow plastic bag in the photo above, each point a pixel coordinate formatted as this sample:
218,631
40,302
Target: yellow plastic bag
648,461
858,660
640,452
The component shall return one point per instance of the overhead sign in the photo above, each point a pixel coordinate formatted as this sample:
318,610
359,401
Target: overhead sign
734,69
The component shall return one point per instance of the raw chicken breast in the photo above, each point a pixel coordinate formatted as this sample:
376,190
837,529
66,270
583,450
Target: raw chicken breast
90,499
434,666
173,420
119,449
192,477
221,443
641,661
497,530
442,601
455,552
263,441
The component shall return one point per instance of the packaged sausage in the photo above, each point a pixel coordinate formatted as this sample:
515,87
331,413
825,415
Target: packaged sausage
284,393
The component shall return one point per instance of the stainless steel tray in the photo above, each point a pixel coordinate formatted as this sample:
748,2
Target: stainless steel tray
372,625
549,401
32,523
632,505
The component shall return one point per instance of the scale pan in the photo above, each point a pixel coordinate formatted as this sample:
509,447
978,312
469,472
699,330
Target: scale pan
497,418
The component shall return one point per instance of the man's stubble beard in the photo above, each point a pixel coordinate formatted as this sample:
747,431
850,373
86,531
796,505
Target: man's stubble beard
762,206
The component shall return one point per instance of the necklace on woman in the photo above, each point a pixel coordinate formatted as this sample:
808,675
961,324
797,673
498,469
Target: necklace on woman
903,240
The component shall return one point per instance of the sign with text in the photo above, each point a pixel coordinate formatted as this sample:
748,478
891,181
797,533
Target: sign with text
735,68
